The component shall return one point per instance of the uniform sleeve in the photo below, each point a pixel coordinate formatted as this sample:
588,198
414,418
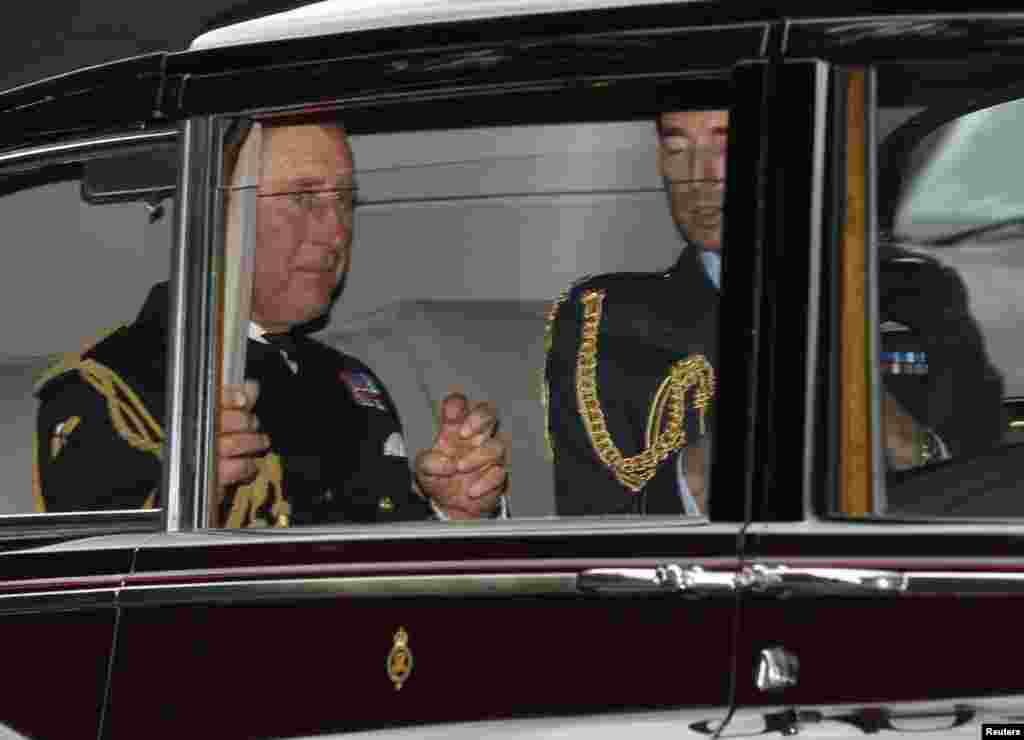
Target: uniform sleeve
84,464
961,398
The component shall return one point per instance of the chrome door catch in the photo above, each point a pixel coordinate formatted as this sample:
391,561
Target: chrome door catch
777,669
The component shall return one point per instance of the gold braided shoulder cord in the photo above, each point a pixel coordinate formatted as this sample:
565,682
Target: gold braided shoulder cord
670,399
71,360
261,502
128,414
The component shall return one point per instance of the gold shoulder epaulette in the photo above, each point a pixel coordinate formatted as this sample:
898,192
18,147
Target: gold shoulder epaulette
70,361
128,414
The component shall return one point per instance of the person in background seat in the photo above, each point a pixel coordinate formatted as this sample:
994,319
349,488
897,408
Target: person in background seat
632,357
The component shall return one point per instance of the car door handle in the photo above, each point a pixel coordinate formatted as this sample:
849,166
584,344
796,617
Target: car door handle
783,580
778,580
691,580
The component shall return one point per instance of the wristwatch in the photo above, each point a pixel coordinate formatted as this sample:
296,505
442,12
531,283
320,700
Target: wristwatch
929,448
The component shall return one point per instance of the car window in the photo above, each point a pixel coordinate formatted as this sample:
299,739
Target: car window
534,266
80,260
945,317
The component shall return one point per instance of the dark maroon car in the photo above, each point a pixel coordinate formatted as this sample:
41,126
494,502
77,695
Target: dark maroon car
504,150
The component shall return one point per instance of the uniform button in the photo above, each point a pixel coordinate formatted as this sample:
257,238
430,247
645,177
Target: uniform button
282,520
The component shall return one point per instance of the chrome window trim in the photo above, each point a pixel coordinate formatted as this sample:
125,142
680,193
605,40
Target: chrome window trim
906,18
76,150
459,530
190,417
904,526
873,309
814,282
73,524
79,524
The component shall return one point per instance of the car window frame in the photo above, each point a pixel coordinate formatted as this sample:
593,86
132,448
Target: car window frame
869,52
188,484
26,167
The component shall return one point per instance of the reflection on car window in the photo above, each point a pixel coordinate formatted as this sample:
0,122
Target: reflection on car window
979,149
949,358
389,269
77,436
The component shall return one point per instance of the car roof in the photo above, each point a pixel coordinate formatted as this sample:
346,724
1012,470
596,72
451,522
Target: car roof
330,17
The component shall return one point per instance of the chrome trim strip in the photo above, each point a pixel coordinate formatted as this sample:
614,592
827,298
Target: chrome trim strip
70,584
764,582
784,581
966,16
42,602
455,530
189,419
766,36
964,583
617,527
811,421
73,151
380,587
113,519
437,532
873,309
906,563
173,475
892,527
481,568
796,582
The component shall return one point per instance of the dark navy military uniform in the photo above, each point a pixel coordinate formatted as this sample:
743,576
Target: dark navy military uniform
933,357
332,425
933,362
649,321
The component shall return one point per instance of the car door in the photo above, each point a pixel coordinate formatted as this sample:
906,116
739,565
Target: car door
885,598
59,617
70,256
282,632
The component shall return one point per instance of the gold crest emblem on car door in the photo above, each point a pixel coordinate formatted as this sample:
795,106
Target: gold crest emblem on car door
400,659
